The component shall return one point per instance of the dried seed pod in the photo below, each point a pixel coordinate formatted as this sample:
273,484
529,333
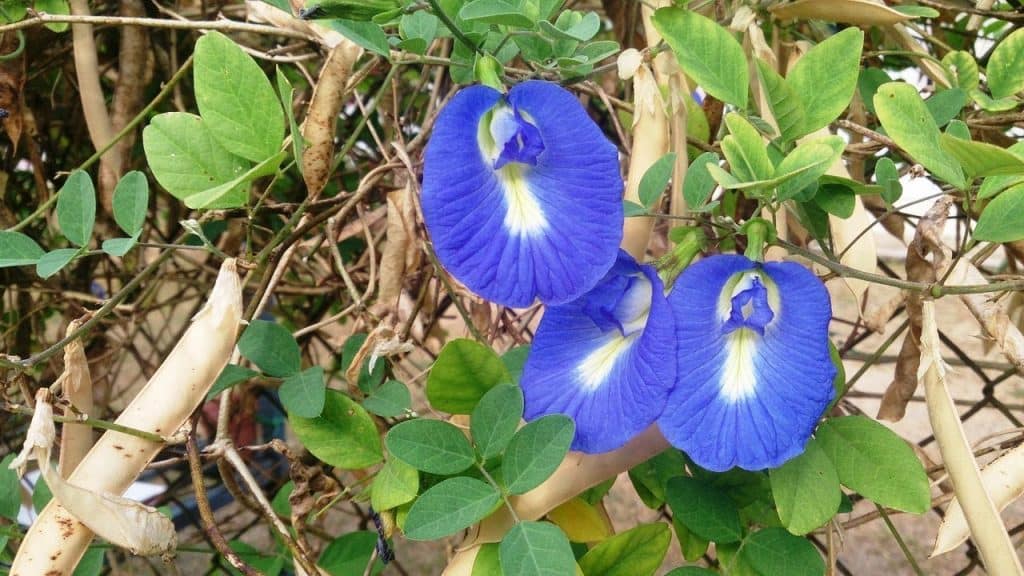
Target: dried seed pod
57,540
318,129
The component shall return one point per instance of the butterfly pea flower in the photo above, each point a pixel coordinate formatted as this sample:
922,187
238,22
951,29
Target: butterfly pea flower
522,194
754,369
606,360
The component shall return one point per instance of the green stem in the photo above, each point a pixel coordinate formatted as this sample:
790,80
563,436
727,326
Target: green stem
504,497
459,35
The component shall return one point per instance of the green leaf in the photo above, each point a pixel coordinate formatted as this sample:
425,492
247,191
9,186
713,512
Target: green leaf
350,554
651,477
806,490
907,121
1005,70
131,201
835,199
946,105
267,564
990,104
916,11
707,52
995,184
76,208
692,546
981,158
774,551
745,150
343,435
91,563
653,182
271,347
10,490
826,77
958,129
236,100
231,374
431,446
119,246
867,84
303,394
785,104
888,177
41,495
463,372
535,452
55,8
450,506
698,185
805,164
631,209
1003,218
594,52
636,552
280,504
366,34
395,484
495,419
286,93
186,159
514,359
216,196
53,261
874,461
963,69
536,549
496,12
391,399
487,562
572,25
17,249
704,509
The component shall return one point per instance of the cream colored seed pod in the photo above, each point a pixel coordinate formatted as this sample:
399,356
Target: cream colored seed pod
57,540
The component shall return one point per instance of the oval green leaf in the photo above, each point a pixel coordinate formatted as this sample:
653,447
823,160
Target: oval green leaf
17,249
395,484
704,509
495,419
303,394
907,121
707,52
76,208
636,552
343,435
53,261
1003,218
826,78
450,506
1005,70
535,452
464,371
536,549
774,551
874,461
271,347
806,490
131,200
431,446
236,100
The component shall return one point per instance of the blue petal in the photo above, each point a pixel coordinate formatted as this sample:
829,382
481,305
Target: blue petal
745,398
613,385
550,230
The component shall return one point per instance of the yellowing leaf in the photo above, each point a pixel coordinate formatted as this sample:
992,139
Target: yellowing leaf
860,12
580,521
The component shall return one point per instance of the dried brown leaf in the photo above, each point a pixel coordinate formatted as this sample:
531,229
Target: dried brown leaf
860,12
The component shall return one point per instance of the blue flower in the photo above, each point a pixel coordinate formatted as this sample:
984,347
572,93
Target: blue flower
607,360
522,195
755,373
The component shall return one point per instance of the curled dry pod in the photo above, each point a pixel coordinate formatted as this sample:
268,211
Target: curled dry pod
76,439
318,129
57,540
